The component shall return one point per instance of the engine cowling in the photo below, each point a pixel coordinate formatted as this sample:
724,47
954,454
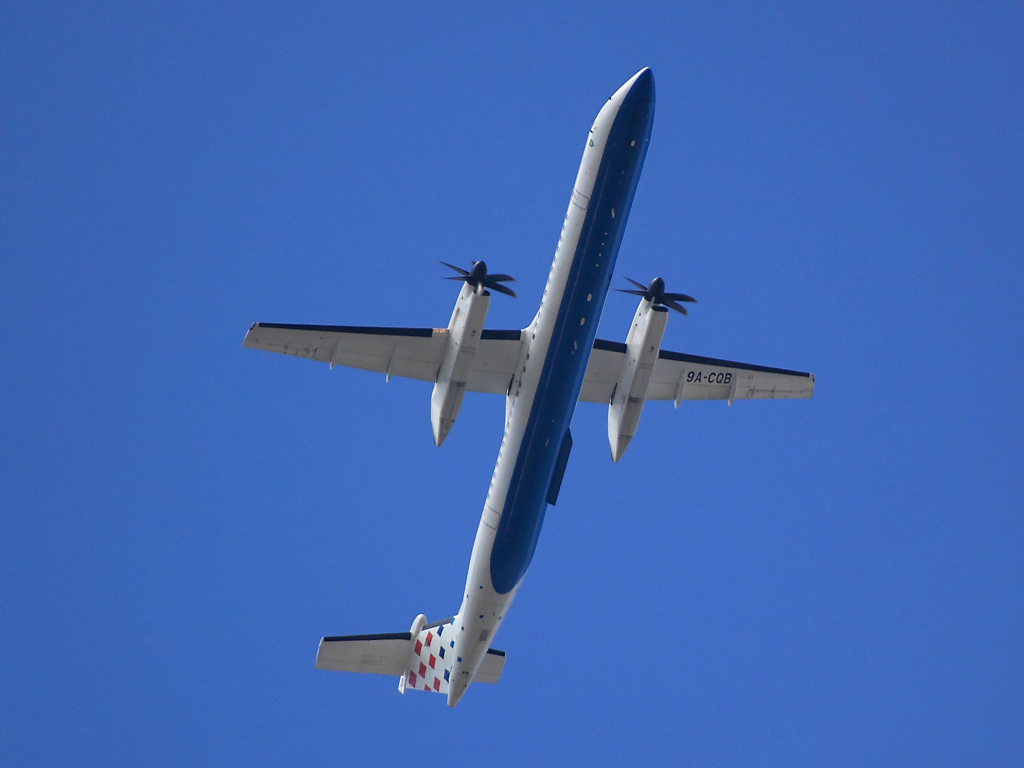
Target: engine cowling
464,331
642,347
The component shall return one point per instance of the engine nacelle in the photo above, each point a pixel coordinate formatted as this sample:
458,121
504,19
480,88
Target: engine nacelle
642,347
464,330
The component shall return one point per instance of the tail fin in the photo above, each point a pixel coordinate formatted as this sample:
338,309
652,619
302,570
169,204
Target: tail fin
422,657
433,651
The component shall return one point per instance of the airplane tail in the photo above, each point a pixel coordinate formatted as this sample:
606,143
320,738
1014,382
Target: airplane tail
421,658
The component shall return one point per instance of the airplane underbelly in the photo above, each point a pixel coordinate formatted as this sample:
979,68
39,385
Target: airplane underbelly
573,328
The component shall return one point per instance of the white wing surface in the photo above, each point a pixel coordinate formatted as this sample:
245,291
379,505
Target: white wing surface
376,654
414,353
679,376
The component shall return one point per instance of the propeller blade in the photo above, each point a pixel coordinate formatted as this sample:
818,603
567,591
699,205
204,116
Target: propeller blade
675,305
620,290
501,278
500,288
679,297
641,286
460,270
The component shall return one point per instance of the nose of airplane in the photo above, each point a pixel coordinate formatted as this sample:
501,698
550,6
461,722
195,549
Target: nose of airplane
640,87
643,85
637,101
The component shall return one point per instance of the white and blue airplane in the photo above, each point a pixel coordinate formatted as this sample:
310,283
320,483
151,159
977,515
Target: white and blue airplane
543,370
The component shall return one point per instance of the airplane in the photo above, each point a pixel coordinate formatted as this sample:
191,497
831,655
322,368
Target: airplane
543,370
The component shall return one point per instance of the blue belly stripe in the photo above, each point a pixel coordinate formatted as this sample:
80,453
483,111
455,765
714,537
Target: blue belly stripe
571,343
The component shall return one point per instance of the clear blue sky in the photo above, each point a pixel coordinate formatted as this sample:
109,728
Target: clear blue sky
833,582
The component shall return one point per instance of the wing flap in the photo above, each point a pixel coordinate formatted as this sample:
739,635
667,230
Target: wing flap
494,362
602,371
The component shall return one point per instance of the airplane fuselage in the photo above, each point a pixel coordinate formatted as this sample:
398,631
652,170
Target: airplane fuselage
544,390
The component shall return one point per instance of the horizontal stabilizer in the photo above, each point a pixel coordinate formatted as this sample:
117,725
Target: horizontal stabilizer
422,660
490,667
377,654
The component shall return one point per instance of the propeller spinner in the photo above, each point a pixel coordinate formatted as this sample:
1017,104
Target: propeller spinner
655,293
477,277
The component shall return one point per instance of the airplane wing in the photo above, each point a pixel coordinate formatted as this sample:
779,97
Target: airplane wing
679,376
414,353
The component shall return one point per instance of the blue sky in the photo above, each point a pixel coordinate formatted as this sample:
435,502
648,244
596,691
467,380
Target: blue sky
833,582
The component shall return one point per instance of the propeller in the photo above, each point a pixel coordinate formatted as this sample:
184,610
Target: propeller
479,279
655,293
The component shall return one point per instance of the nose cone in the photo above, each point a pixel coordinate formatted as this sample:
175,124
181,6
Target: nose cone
640,87
634,101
